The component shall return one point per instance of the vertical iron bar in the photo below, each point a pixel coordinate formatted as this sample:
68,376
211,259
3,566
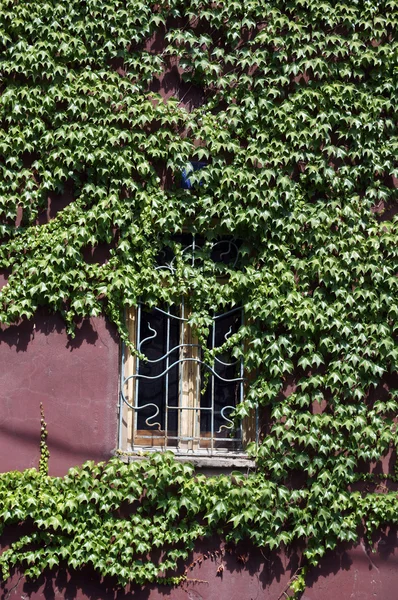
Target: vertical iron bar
166,417
213,343
181,369
192,366
137,370
197,411
241,375
257,432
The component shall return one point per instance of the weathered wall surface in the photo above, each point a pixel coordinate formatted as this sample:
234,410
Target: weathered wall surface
353,573
77,382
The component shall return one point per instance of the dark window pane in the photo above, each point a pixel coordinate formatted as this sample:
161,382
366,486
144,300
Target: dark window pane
220,394
158,334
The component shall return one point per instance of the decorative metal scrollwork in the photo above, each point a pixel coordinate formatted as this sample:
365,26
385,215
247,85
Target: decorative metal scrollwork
169,395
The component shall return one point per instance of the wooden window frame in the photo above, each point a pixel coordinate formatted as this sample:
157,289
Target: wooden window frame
189,439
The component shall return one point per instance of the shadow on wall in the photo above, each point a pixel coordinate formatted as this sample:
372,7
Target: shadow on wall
217,572
189,94
44,323
214,572
359,572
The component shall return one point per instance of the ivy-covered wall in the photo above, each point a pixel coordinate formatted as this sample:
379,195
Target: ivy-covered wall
292,105
247,573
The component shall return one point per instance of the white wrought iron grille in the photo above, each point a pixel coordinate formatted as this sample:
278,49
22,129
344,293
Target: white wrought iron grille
177,399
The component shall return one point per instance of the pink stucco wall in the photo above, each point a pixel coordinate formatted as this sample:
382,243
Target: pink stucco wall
77,382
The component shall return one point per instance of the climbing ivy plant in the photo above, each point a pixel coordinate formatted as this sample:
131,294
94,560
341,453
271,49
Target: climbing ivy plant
291,106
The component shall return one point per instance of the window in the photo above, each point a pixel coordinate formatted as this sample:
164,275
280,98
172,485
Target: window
172,395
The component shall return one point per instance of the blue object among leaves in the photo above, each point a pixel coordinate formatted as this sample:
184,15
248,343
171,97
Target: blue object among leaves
195,166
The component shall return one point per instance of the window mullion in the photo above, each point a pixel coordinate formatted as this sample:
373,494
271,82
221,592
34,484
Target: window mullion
249,424
130,368
188,401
